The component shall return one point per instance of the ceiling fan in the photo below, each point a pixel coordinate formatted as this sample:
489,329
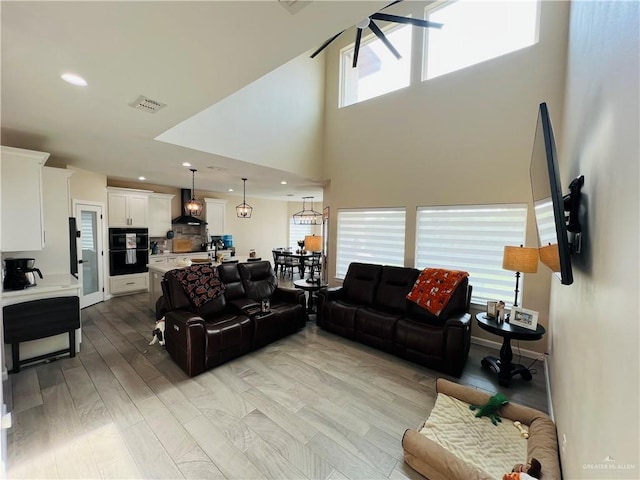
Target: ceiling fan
369,22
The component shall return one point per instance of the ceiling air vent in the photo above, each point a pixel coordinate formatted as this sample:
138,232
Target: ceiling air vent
293,6
146,104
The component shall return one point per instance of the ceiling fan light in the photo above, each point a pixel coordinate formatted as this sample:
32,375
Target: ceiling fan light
364,23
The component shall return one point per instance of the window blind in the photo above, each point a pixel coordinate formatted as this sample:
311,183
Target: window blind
374,235
297,232
472,238
87,227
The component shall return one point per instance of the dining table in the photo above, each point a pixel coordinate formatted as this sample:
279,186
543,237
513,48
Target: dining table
286,253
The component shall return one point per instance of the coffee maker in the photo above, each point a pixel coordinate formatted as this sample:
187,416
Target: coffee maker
20,273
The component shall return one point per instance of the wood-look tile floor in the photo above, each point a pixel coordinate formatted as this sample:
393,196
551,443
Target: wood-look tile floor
312,405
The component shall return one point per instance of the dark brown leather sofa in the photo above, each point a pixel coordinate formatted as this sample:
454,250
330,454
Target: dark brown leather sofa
231,324
371,307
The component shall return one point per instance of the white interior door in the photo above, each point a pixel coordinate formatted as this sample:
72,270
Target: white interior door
90,253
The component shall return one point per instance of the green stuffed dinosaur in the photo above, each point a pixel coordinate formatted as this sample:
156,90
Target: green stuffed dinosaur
490,409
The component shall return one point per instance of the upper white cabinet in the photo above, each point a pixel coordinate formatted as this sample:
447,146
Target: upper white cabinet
128,207
215,215
159,214
22,213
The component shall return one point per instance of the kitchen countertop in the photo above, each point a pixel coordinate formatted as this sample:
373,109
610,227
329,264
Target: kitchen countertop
164,268
173,254
51,283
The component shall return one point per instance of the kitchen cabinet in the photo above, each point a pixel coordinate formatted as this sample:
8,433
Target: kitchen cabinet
22,211
128,207
215,215
159,210
128,283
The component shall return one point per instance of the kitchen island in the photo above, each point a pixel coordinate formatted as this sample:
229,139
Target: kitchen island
157,271
51,286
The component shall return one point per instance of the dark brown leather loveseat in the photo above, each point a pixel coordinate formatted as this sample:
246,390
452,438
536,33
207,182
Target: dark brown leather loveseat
231,324
371,307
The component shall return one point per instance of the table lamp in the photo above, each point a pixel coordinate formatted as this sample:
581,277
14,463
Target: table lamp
550,256
520,259
313,243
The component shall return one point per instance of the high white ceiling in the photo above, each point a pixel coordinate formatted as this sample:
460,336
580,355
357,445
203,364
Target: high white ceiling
189,55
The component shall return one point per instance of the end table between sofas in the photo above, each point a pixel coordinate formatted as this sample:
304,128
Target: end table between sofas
503,366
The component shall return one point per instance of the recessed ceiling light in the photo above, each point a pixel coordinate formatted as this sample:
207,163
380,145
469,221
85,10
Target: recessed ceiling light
231,189
142,178
283,182
186,164
74,79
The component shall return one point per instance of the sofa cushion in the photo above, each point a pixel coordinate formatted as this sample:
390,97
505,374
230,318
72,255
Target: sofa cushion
258,279
359,286
340,318
420,343
376,328
230,275
395,283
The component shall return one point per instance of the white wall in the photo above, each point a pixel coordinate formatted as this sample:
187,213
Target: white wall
275,121
595,366
462,138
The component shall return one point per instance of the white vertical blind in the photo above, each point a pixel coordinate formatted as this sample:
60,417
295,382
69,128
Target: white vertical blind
297,232
472,238
87,229
545,222
373,235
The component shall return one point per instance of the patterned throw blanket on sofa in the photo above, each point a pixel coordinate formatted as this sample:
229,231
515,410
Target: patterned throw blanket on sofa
434,288
201,283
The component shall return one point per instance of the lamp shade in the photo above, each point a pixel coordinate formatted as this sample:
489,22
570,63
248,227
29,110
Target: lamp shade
550,256
313,243
520,259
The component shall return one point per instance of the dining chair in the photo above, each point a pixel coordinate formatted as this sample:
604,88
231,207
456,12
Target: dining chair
278,260
290,262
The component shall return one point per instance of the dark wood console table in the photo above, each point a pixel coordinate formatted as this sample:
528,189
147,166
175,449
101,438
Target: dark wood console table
503,366
37,319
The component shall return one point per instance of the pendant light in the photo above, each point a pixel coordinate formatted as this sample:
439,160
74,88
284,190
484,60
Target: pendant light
307,217
193,207
244,210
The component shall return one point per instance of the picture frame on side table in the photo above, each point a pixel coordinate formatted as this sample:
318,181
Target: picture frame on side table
491,309
524,318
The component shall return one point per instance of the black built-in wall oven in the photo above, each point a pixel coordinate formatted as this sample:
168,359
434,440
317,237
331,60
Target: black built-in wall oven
128,250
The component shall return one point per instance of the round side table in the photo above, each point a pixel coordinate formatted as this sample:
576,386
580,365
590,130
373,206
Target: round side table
309,287
503,366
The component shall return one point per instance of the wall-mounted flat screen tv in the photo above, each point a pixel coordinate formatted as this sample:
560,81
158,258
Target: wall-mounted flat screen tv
549,203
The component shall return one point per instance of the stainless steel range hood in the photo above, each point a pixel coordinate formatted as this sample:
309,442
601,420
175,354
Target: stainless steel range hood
184,219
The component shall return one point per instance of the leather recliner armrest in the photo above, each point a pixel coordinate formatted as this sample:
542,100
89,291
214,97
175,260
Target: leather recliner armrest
461,320
289,296
457,340
330,293
184,317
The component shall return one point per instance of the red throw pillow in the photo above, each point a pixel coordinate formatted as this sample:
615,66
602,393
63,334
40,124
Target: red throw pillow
434,287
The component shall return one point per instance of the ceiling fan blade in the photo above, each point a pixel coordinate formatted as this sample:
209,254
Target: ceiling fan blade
374,28
356,49
391,4
326,44
413,21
